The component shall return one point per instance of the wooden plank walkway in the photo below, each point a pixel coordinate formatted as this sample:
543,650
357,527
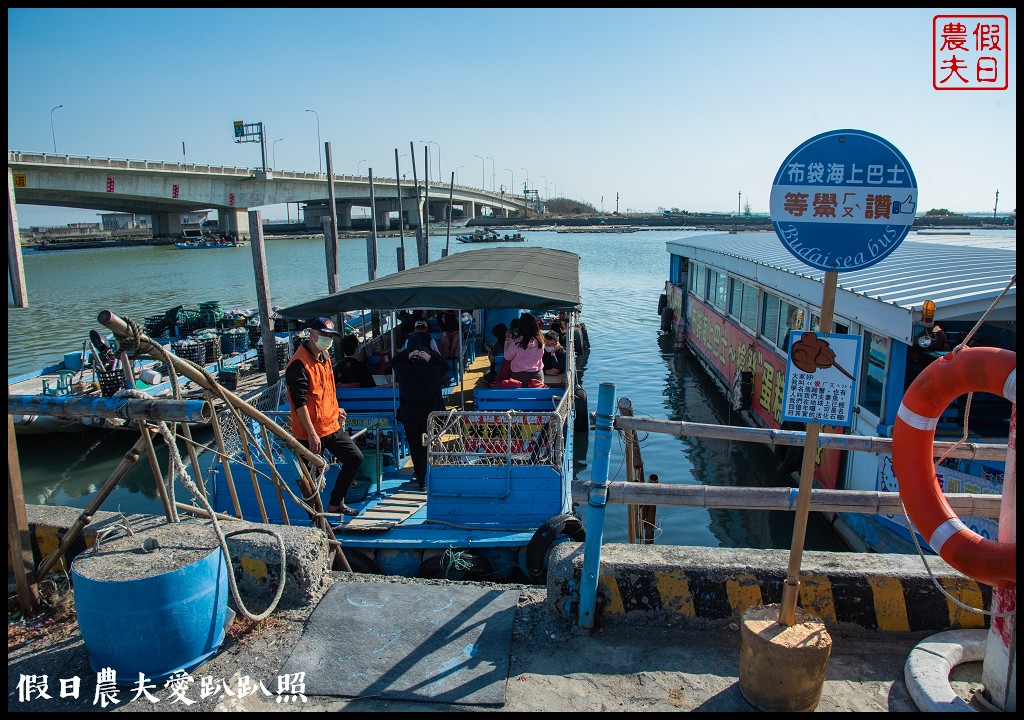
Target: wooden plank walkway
389,512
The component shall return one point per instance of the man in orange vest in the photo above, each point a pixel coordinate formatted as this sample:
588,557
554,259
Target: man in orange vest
317,420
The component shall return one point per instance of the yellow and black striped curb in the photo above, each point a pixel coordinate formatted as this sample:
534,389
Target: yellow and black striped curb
255,557
674,584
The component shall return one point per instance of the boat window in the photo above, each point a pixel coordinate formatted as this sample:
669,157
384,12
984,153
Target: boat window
779,318
743,302
770,318
793,319
718,292
875,358
697,281
840,328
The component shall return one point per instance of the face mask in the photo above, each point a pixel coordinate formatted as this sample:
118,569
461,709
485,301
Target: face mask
549,348
323,343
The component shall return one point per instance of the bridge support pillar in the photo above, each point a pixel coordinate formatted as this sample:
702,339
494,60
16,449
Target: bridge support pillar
438,211
234,222
504,212
383,219
469,210
409,210
167,224
345,216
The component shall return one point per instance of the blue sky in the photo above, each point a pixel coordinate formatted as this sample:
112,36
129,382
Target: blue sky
667,108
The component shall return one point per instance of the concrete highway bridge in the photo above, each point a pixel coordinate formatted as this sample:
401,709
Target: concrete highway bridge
165,190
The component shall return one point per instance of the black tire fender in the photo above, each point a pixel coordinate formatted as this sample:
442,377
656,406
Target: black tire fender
581,422
567,525
360,563
666,319
788,458
662,302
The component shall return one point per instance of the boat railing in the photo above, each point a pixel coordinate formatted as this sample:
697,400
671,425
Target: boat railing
507,437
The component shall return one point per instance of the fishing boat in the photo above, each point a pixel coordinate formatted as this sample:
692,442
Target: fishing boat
487,235
217,341
206,244
193,238
735,301
500,461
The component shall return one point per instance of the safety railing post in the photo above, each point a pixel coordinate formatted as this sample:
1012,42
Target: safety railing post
596,504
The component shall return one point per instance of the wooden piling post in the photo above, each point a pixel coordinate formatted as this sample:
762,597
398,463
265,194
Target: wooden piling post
19,538
371,240
259,265
331,238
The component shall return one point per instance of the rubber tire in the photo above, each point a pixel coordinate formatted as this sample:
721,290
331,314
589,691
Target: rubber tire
479,567
788,459
662,302
567,525
361,564
581,423
666,320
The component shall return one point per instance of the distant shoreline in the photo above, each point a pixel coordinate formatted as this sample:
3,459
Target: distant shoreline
606,223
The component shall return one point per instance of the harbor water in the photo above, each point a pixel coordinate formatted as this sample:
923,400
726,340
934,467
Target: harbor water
622,276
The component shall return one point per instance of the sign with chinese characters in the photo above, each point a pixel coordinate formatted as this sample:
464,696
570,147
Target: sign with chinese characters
843,200
970,52
820,378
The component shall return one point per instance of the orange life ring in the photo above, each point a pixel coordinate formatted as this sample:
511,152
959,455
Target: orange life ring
967,370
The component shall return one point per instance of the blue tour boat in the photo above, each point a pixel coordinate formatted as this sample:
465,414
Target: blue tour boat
733,300
500,461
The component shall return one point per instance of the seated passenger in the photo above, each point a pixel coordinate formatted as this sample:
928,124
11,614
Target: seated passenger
350,371
450,345
419,338
554,354
525,354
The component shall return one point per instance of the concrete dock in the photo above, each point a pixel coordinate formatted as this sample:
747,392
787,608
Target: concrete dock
667,635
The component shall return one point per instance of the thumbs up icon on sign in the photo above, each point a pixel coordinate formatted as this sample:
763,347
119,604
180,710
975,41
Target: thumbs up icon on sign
906,207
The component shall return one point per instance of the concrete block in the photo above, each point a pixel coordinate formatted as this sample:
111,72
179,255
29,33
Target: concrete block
255,556
711,587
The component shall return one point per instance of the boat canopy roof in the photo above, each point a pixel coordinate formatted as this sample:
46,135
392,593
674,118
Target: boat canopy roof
499,278
962,275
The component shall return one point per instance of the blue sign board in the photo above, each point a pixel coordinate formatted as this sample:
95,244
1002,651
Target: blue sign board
843,200
820,373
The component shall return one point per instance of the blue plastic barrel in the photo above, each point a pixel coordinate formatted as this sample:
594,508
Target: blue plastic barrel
155,625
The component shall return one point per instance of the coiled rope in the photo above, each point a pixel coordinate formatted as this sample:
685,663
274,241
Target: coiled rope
178,470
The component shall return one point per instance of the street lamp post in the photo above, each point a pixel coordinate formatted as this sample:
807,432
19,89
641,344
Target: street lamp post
431,142
319,157
273,151
512,184
526,185
546,193
52,134
492,173
483,171
359,170
457,173
555,185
